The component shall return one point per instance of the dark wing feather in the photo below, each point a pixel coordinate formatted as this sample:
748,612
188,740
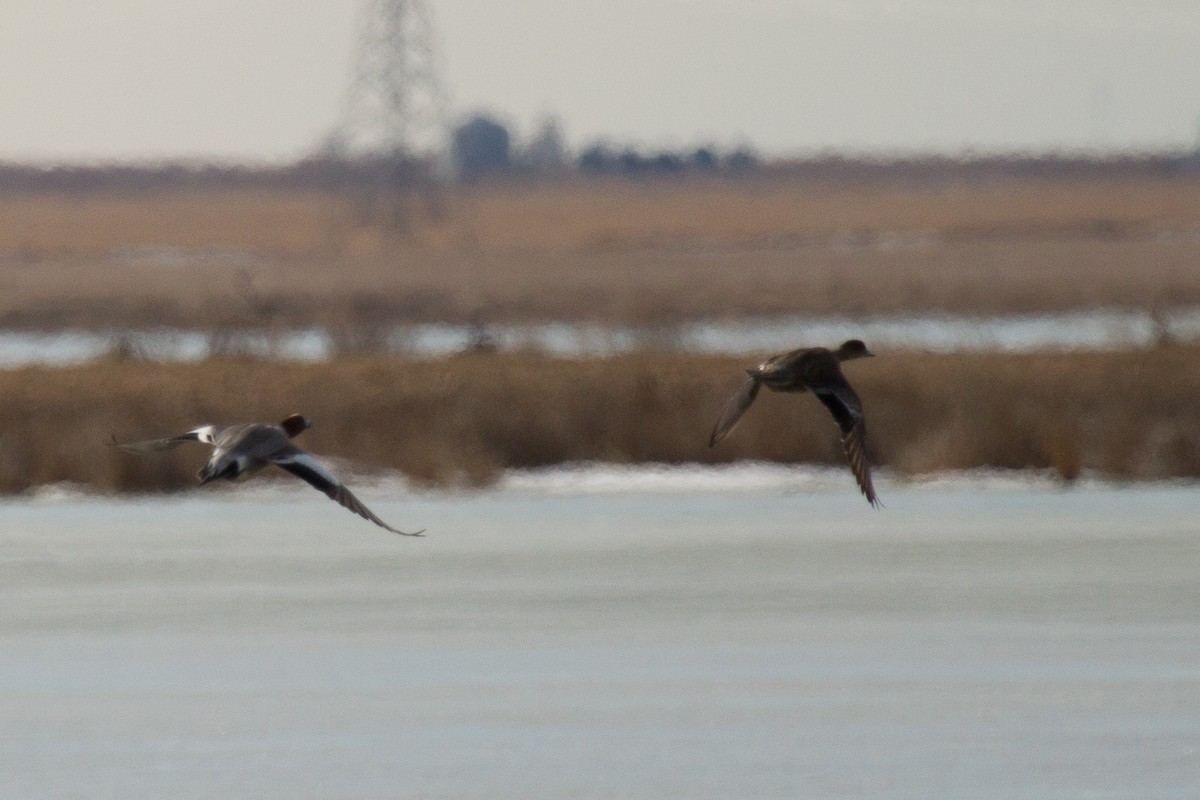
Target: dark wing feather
313,472
846,408
734,409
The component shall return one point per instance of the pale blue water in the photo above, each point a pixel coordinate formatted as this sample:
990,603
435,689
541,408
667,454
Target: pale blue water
638,643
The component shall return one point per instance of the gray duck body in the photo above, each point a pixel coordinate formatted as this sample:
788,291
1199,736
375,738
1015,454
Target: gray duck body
817,370
240,451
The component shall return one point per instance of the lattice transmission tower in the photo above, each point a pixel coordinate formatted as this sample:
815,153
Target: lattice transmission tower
392,132
395,105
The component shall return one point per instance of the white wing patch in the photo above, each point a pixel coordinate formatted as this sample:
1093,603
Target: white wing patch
206,434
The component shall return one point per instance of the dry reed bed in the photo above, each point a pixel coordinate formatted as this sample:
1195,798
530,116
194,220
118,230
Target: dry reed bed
616,250
594,214
648,286
464,419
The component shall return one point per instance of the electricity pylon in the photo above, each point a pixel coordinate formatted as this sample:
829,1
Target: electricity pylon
394,120
395,102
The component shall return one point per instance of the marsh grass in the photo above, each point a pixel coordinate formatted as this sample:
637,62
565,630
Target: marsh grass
462,420
623,251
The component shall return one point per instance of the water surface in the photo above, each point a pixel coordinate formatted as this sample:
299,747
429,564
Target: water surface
1096,329
637,641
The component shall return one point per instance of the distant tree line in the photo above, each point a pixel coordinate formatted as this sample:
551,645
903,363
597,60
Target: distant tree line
603,159
482,148
833,168
321,173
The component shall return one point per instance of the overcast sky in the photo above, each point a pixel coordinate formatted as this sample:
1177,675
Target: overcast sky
266,79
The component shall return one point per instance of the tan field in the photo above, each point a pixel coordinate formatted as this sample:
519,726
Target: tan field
618,251
606,250
463,419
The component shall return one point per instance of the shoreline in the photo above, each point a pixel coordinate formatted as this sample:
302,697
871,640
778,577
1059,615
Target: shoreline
597,479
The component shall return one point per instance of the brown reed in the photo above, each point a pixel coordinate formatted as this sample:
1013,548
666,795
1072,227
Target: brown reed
651,251
462,420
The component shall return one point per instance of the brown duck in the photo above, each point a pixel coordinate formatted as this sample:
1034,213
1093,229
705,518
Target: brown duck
242,450
818,370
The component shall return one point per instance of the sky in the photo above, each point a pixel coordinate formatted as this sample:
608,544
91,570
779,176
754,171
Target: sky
266,80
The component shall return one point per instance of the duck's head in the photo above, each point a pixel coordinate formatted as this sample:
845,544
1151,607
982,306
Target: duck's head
852,349
295,424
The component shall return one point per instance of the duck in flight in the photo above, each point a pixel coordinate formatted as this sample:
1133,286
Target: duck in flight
818,370
242,450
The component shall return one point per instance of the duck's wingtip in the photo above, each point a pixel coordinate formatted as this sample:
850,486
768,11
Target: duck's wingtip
420,533
718,434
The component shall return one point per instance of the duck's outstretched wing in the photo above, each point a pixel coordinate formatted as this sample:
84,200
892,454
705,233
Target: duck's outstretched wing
203,434
734,409
313,472
846,408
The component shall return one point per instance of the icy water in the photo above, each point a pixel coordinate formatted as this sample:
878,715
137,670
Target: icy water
591,639
1095,329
